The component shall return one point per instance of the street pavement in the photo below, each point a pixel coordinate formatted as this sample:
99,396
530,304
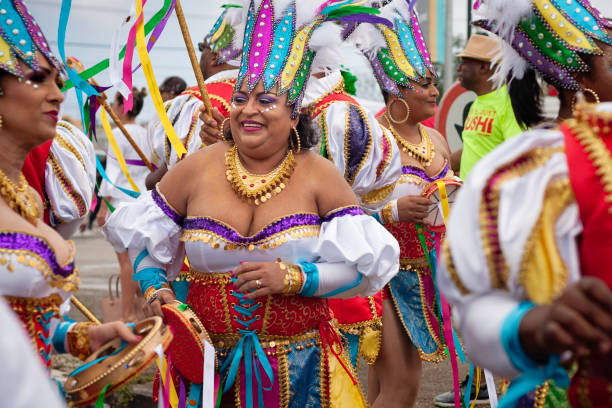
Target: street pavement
96,261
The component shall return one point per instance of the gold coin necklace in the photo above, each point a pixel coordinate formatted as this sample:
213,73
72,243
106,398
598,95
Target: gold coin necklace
257,188
423,151
21,199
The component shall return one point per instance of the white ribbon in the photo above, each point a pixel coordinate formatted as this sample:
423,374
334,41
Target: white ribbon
159,350
208,385
491,388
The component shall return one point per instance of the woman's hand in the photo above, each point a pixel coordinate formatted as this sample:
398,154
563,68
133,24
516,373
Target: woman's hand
162,297
259,279
413,208
102,334
210,132
580,320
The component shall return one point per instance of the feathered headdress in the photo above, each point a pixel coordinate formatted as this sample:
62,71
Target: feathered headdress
21,37
226,36
548,35
285,40
397,54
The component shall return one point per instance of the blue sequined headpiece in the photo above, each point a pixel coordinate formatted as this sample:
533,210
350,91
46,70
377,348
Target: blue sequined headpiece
21,38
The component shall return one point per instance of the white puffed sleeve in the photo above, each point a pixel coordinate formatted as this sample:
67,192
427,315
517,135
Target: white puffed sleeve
363,151
511,237
356,255
184,114
148,223
70,175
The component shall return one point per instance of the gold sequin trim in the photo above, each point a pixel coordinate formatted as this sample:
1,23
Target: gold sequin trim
540,395
313,107
379,195
557,197
387,213
33,260
64,181
598,153
450,267
408,264
284,383
347,143
63,143
387,160
489,209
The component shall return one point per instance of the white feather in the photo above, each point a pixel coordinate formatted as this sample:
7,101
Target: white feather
506,14
306,11
326,41
508,65
367,39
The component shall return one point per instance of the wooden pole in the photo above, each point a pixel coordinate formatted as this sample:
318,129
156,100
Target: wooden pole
195,64
73,63
90,316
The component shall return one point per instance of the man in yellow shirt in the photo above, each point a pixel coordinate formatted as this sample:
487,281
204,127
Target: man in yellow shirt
491,119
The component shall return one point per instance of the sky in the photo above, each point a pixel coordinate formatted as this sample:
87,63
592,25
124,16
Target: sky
92,24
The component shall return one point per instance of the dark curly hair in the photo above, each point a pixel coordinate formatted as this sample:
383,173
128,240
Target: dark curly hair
138,101
308,136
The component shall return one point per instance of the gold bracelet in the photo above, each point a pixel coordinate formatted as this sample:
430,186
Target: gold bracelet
297,279
151,293
78,340
387,213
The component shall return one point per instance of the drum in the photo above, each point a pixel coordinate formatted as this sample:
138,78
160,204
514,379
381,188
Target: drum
117,363
435,216
187,350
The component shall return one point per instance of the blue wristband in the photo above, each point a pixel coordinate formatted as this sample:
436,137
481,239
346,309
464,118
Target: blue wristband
59,336
148,277
311,278
533,375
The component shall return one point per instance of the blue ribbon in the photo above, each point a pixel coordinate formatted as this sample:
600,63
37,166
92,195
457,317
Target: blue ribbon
59,337
311,279
100,168
345,288
533,375
254,356
148,277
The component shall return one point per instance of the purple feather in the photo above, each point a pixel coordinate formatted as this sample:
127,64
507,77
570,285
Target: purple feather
365,18
411,4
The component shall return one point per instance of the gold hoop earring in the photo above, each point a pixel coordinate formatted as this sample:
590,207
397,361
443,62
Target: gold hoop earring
398,122
593,93
225,135
297,138
1,121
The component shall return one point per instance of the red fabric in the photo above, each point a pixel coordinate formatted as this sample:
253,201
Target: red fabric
220,94
213,301
340,96
592,385
34,171
356,310
408,238
596,240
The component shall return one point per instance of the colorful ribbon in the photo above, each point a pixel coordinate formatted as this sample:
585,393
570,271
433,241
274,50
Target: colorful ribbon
153,89
443,199
116,150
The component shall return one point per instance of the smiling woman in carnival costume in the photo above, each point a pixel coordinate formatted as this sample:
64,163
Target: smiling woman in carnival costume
412,319
37,272
270,229
531,230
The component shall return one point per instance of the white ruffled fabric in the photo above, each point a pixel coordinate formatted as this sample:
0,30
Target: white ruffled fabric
347,246
352,245
141,224
521,200
184,114
71,160
366,180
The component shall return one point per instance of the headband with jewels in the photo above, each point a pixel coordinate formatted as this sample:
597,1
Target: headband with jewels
225,38
286,40
21,37
397,54
548,35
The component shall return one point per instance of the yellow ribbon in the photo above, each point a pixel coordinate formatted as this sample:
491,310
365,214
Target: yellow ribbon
163,368
152,83
443,199
473,404
113,143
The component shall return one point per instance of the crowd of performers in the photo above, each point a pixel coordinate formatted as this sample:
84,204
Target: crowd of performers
303,230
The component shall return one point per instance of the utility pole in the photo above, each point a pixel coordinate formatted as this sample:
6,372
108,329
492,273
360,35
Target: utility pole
469,17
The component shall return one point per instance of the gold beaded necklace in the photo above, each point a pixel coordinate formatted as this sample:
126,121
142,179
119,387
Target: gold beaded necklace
257,188
423,151
21,199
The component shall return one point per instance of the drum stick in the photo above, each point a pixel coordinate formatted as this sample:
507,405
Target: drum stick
73,63
90,316
195,64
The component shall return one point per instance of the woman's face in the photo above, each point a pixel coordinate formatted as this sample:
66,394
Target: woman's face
30,108
261,121
422,99
600,77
